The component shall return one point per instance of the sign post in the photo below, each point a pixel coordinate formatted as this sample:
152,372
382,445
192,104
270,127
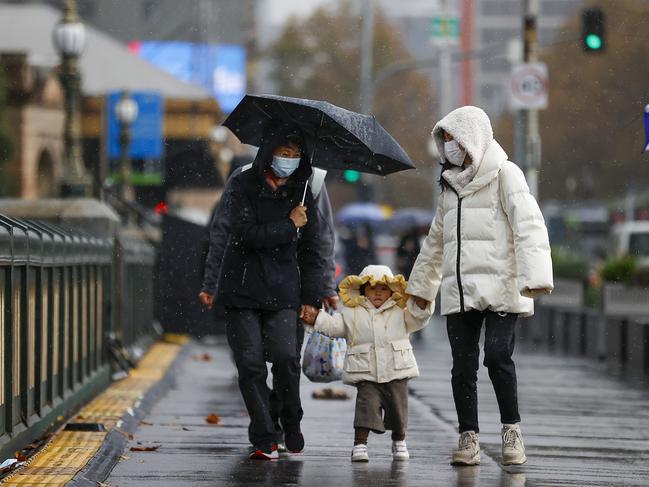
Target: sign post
529,93
529,87
445,34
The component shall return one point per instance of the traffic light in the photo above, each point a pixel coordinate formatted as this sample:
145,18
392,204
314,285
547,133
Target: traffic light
351,176
593,28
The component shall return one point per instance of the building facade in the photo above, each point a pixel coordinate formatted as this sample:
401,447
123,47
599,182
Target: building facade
35,120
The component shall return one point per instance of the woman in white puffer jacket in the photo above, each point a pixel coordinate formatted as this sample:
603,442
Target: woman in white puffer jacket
488,254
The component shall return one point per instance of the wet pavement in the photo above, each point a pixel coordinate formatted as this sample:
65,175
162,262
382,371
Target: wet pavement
581,428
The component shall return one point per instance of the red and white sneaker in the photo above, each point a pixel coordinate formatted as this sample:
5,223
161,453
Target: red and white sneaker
259,454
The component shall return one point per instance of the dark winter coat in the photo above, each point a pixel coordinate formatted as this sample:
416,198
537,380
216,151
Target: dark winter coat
220,226
267,264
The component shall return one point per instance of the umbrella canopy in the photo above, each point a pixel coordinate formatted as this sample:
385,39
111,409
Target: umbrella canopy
336,138
407,218
361,213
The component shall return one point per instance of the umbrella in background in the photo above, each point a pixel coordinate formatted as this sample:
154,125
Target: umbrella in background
408,218
363,213
336,138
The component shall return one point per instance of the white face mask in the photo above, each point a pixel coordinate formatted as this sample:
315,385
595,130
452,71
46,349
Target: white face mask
454,153
283,167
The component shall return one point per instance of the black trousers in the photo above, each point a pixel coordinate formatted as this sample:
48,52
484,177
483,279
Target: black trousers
464,335
257,337
276,398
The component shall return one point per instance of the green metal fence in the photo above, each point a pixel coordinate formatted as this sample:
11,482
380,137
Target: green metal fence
57,308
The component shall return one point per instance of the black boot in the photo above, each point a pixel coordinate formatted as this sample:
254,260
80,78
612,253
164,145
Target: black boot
294,440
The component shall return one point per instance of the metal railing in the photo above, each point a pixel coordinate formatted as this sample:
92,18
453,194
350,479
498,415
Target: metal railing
62,294
617,336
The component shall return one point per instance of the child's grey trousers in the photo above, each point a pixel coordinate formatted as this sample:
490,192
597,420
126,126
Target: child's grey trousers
382,406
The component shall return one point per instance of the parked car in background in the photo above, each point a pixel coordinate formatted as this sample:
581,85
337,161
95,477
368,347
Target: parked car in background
631,238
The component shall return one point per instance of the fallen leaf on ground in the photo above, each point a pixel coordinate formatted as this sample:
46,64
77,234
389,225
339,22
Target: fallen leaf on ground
331,394
213,418
145,448
206,357
124,457
185,428
146,423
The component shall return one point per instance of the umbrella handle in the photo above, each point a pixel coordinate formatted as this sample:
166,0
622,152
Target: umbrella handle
306,185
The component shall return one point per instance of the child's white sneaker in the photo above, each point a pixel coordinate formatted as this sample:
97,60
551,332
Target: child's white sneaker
513,447
468,449
359,453
400,450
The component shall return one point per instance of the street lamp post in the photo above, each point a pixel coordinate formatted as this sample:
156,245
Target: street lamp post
69,38
126,111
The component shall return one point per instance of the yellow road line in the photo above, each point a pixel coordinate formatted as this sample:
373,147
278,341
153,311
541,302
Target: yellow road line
69,451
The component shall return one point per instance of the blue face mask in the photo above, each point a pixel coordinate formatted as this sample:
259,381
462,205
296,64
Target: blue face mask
283,167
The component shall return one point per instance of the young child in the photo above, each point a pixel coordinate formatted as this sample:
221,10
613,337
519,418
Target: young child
376,321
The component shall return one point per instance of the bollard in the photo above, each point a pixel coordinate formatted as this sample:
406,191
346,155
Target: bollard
542,330
638,349
574,333
617,344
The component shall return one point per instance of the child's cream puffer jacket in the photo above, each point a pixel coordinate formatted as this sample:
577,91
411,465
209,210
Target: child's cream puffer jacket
378,344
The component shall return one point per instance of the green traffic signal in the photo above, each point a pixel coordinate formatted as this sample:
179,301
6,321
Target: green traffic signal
351,176
594,42
593,30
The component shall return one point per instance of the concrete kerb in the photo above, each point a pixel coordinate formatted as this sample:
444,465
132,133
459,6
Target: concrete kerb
101,465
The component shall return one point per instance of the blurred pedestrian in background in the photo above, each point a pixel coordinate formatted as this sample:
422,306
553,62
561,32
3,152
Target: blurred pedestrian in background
408,251
359,248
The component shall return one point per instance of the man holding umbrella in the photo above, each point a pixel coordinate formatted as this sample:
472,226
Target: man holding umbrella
269,270
219,232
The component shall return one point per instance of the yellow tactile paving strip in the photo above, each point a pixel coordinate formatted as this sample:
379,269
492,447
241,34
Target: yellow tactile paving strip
69,451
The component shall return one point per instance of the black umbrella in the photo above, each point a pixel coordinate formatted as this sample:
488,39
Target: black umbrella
336,138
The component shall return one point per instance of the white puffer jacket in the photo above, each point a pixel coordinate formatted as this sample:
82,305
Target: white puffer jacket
378,344
488,245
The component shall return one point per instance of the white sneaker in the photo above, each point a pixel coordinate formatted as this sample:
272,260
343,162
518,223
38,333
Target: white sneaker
468,449
513,447
400,450
359,453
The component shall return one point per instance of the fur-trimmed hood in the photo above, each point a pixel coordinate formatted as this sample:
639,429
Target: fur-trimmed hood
350,287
